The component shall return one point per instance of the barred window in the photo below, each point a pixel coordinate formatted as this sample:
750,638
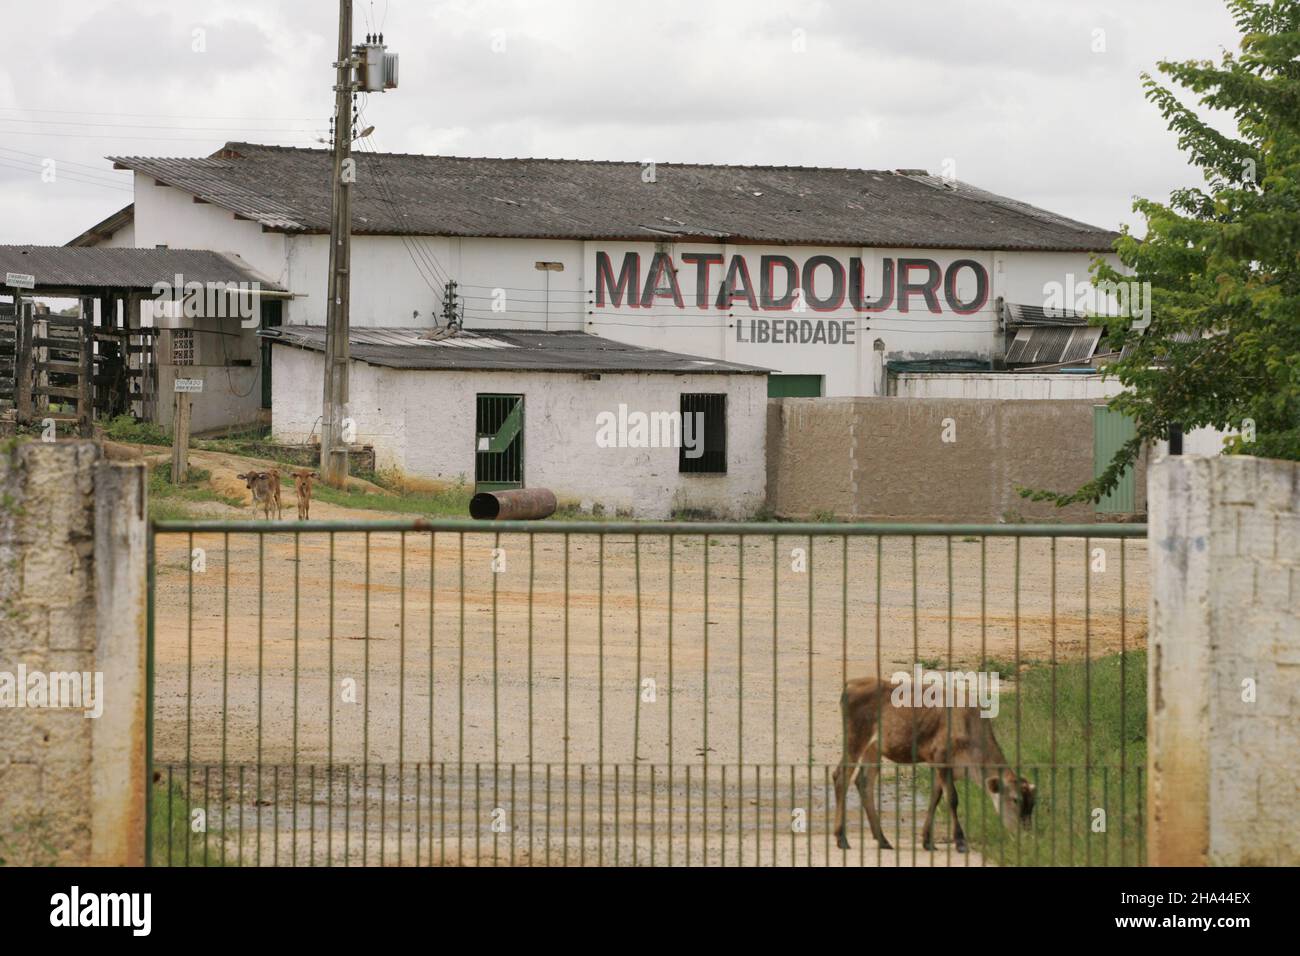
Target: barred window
704,434
183,347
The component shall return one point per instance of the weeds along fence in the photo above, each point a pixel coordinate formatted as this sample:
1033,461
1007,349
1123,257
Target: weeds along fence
574,693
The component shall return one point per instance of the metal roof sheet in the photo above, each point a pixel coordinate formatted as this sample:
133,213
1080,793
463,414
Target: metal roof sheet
67,267
287,188
498,350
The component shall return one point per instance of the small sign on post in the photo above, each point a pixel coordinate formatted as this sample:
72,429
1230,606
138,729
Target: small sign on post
183,388
20,280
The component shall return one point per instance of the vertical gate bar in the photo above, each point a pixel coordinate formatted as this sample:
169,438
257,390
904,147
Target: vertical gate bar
206,769
1052,853
532,567
1019,689
261,617
297,568
880,777
170,826
496,696
365,716
329,691
189,680
704,769
565,843
636,714
1087,690
776,699
150,624
916,656
600,704
460,719
740,700
1105,812
1123,696
275,815
844,655
433,562
672,548
1069,815
401,690
811,550
1139,791
225,681
948,766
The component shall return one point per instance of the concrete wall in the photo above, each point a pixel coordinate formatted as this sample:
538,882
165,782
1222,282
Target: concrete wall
886,458
72,600
1224,688
422,423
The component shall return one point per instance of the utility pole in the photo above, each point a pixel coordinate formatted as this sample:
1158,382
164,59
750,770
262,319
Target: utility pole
333,452
366,68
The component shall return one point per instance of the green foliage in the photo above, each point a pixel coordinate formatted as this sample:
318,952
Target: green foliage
169,502
126,429
1222,260
452,502
174,841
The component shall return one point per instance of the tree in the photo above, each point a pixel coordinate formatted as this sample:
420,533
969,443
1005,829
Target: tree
1222,261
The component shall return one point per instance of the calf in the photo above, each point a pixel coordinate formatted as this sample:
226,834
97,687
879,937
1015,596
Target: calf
944,737
265,488
302,487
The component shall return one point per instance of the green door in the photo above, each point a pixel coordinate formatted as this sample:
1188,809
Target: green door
1110,430
499,442
794,386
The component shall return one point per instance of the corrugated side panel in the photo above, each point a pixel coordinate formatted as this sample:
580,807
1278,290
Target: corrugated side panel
1110,430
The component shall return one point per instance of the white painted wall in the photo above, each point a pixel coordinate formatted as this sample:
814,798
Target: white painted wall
422,422
1003,385
395,278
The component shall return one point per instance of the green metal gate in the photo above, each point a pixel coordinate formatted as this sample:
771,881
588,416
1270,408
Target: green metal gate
499,434
1110,430
559,693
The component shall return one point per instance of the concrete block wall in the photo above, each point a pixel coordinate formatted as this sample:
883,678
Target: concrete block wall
885,459
72,601
1224,689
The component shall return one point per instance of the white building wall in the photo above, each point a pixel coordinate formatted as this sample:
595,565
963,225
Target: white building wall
1002,385
422,422
500,286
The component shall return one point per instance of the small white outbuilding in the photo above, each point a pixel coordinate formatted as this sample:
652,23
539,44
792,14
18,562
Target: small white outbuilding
637,431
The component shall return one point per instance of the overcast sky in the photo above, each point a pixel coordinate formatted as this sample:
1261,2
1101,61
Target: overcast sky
1037,99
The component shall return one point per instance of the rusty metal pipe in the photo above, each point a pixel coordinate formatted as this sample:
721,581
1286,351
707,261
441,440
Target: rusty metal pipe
516,504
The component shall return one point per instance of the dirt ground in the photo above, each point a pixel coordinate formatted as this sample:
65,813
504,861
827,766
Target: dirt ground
376,651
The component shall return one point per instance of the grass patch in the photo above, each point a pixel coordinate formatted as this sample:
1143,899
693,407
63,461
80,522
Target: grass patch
451,502
172,833
169,502
1075,733
127,430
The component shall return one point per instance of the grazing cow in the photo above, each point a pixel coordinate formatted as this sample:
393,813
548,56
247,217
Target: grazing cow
944,737
302,487
265,488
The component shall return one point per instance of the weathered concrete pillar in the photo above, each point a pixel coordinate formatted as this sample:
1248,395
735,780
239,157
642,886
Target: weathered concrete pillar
1224,689
73,675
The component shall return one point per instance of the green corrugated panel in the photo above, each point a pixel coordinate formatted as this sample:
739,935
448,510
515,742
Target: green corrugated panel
1110,430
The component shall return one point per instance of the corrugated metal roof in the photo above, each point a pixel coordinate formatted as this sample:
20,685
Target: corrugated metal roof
286,188
494,350
1016,313
1049,345
66,267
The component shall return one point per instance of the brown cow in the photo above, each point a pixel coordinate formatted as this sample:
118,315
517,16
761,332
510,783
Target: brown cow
265,488
302,487
944,737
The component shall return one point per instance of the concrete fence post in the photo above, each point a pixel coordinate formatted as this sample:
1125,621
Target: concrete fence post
1224,662
73,572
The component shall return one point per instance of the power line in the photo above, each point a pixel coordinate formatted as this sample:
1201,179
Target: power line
67,176
179,129
100,169
189,116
